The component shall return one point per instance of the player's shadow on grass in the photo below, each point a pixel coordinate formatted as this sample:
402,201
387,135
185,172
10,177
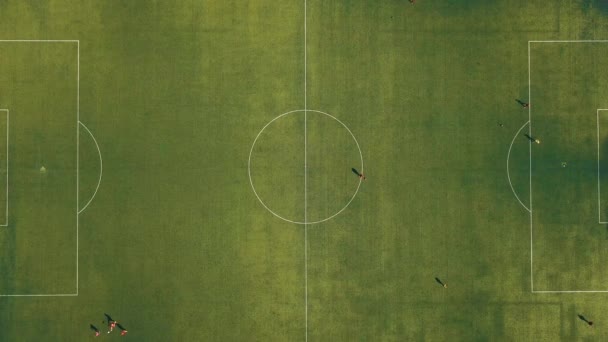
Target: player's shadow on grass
108,318
521,103
582,318
356,172
440,282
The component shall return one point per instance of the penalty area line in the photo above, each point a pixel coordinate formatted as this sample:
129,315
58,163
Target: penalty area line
599,207
41,295
7,161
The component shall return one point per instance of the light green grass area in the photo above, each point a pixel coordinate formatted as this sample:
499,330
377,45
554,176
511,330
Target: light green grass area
176,246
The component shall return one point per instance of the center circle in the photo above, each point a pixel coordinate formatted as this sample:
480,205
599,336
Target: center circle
301,166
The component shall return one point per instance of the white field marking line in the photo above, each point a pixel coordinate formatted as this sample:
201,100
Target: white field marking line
77,152
251,180
571,291
100,167
508,174
305,279
7,161
39,41
568,41
41,295
77,149
599,208
305,184
305,58
530,151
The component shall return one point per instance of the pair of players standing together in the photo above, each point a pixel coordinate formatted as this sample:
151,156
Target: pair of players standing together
111,325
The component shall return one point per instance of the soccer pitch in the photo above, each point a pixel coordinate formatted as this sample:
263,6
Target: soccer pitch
304,170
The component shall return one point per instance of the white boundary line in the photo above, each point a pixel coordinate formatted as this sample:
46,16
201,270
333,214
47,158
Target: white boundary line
305,181
530,153
530,131
305,57
39,41
100,167
568,41
571,291
599,208
40,295
508,173
77,152
7,161
7,158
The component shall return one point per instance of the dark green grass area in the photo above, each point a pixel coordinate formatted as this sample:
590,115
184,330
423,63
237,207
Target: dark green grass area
176,246
4,121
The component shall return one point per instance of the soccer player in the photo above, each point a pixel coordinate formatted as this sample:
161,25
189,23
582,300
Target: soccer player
531,138
522,103
123,331
94,328
111,326
445,286
582,318
360,174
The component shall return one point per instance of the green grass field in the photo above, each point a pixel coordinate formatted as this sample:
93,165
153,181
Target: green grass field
175,244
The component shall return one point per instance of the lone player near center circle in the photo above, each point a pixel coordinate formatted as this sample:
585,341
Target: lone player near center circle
360,174
445,286
523,104
532,139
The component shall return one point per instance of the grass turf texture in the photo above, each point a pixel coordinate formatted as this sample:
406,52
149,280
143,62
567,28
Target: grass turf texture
175,246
